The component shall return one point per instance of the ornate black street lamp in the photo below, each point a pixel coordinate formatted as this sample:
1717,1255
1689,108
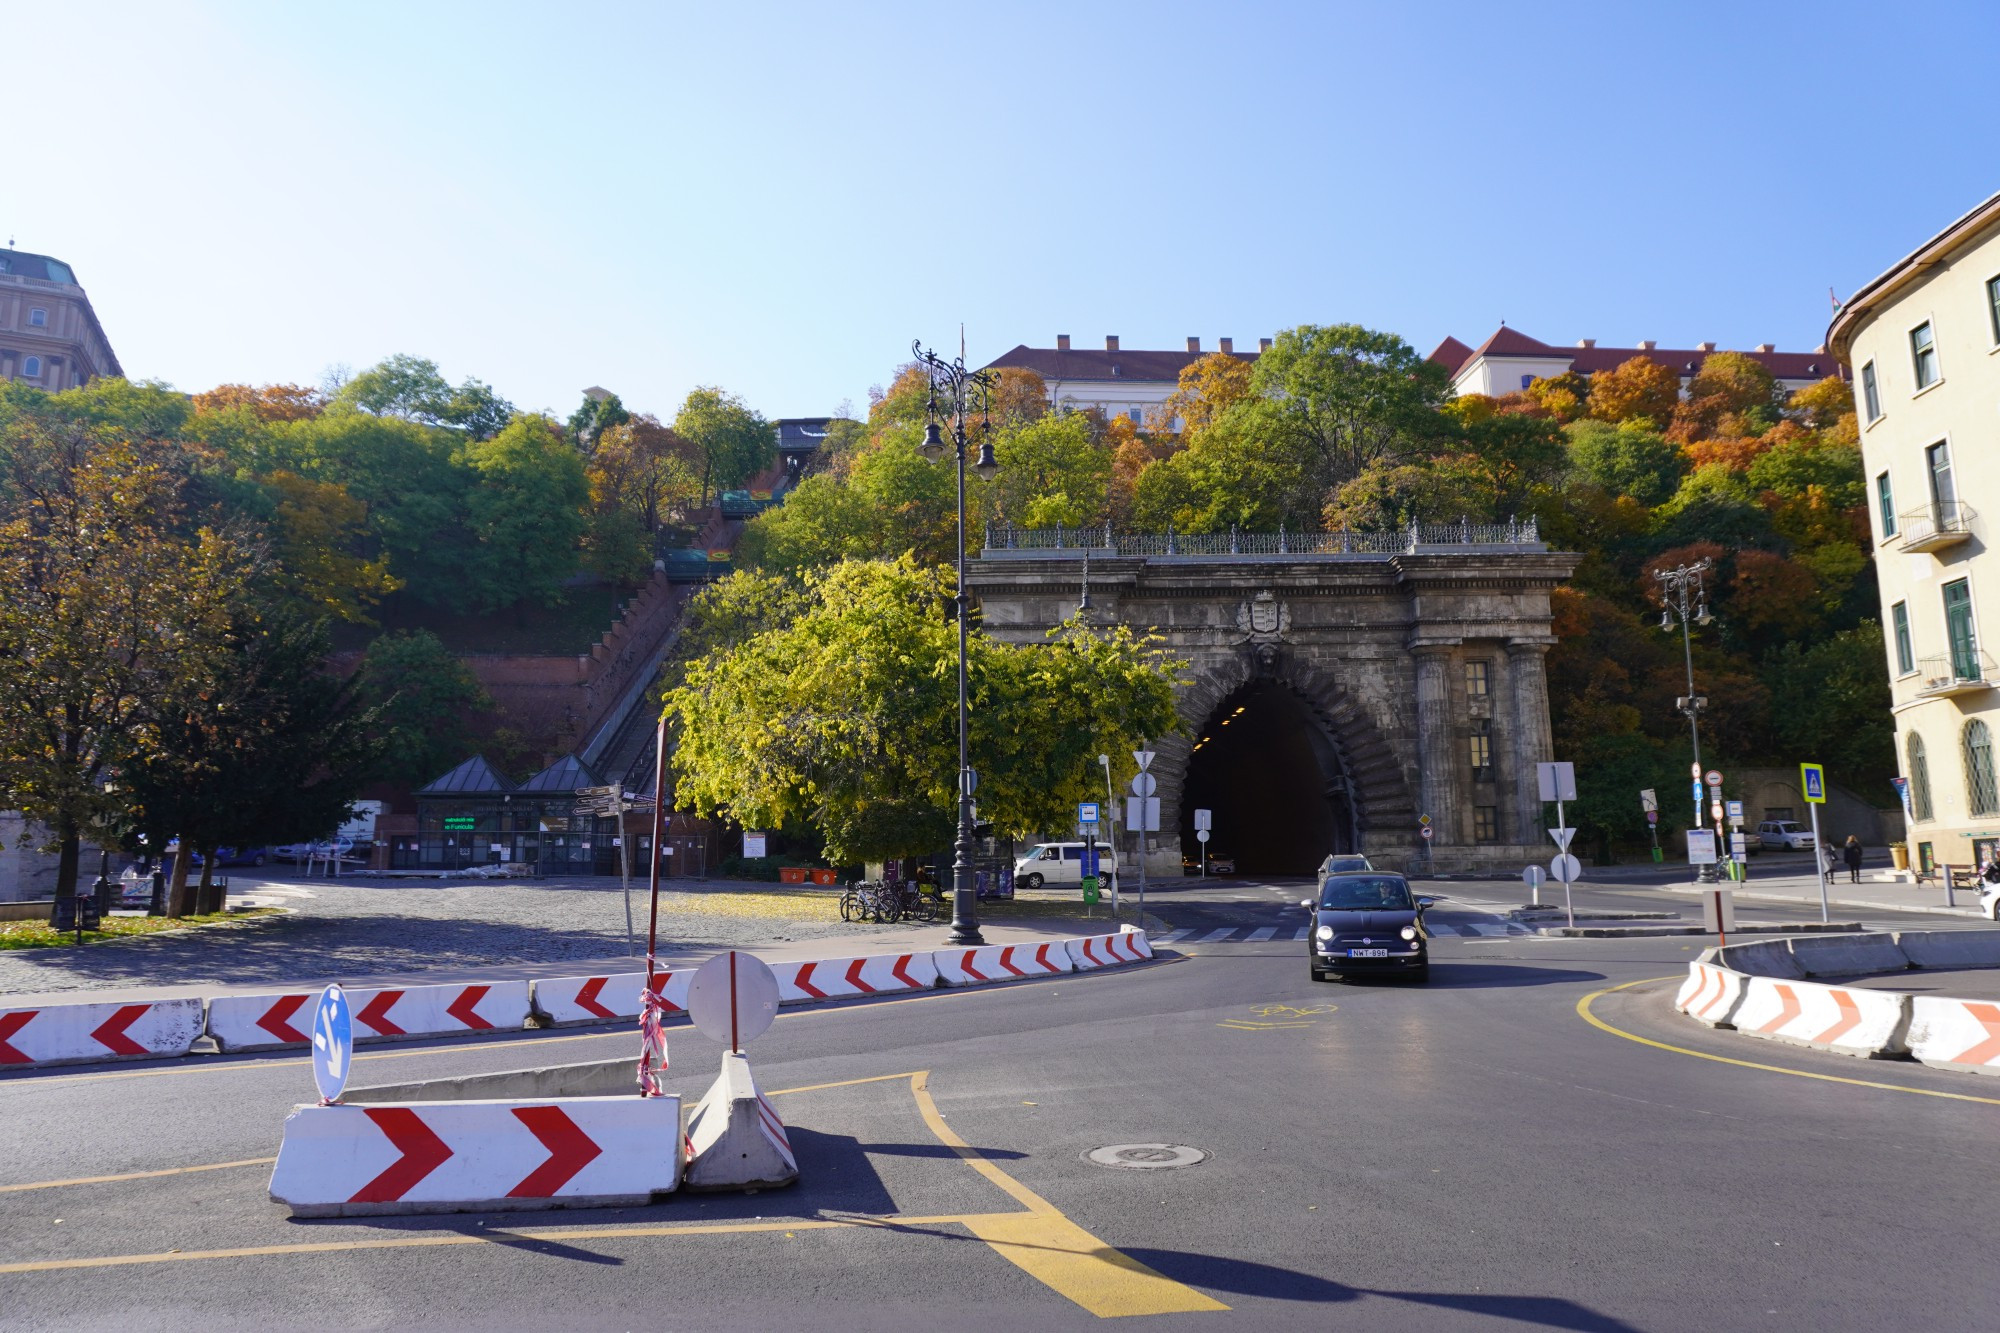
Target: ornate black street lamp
1685,599
958,393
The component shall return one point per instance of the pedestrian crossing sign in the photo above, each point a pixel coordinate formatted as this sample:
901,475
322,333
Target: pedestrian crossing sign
1813,778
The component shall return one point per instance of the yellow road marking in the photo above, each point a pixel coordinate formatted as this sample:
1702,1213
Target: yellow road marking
1251,1025
491,1237
1055,1251
1583,1008
137,1175
1042,1242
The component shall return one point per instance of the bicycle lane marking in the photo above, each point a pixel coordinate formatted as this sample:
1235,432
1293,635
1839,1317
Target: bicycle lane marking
1583,1009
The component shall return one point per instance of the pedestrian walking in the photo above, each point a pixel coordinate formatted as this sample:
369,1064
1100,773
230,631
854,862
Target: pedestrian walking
1851,853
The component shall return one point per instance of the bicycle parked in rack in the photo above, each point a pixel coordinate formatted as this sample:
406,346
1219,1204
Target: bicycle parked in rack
871,900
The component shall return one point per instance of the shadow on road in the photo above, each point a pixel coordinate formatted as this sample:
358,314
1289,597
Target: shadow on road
1216,1273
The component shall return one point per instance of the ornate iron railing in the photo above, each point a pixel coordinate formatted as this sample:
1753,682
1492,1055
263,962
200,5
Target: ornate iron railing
1104,539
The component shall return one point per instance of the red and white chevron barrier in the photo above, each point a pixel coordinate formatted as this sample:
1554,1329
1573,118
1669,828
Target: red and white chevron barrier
269,1022
1829,1018
1001,962
611,998
445,1157
1959,1034
1710,994
68,1034
844,978
1095,951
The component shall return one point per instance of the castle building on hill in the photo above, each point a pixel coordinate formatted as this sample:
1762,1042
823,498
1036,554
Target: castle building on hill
49,335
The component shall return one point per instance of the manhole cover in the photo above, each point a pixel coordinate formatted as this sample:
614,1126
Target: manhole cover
1145,1156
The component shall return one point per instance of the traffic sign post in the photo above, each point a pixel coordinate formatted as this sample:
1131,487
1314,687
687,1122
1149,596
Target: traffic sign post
1812,778
1649,802
1204,821
1142,813
1557,782
733,998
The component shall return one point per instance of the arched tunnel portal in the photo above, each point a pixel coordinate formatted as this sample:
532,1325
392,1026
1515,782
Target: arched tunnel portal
1275,780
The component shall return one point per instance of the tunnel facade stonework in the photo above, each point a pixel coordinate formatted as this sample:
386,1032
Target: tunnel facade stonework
1412,665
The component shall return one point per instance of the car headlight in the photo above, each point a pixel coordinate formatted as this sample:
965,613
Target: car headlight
1325,933
1409,932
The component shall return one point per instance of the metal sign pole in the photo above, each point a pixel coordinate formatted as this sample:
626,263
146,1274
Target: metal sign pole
1819,862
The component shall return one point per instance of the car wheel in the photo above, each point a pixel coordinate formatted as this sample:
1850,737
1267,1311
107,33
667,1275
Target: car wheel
1319,974
256,860
1031,880
1421,975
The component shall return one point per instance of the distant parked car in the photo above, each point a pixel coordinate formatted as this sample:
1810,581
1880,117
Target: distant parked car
1784,835
237,856
1221,863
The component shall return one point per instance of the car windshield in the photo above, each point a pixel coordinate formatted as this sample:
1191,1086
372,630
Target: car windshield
1365,893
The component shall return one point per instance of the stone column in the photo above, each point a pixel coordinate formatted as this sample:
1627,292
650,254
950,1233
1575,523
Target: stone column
1437,766
1531,743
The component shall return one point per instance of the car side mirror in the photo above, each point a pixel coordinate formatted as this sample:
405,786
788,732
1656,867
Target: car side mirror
1422,903
1306,903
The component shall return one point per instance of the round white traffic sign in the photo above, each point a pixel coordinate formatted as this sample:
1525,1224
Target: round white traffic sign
332,1043
733,998
1713,777
1533,876
1566,868
1426,831
1145,784
1201,835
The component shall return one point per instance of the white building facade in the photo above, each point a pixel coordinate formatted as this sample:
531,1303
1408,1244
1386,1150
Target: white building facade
1510,361
1114,381
1923,343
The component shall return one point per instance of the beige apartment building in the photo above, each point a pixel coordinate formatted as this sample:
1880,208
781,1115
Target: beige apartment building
49,335
1923,342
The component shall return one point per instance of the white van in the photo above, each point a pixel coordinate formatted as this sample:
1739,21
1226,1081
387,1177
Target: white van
1060,863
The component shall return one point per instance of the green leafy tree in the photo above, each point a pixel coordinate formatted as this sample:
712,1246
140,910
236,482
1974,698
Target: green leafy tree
599,412
422,698
1629,458
1830,704
731,443
1051,470
411,388
843,718
526,513
113,609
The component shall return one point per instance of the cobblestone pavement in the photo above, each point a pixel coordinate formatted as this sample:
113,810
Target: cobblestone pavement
391,927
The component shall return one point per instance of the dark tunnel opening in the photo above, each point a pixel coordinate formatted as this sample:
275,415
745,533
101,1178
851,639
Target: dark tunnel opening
1275,782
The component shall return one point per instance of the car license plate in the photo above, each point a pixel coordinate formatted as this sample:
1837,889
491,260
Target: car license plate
1367,953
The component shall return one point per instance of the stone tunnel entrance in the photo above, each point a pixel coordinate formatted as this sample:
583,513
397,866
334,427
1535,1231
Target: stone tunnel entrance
1275,781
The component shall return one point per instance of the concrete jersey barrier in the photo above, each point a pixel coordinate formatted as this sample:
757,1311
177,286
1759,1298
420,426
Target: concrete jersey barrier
1847,955
1950,949
1956,1034
67,1034
1001,962
607,998
1711,994
478,1156
735,1138
272,1022
844,978
1869,1023
1095,951
1763,958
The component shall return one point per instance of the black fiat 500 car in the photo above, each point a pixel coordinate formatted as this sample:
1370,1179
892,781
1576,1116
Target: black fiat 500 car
1367,922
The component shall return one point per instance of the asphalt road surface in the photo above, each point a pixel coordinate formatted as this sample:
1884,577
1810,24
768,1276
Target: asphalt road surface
1533,1140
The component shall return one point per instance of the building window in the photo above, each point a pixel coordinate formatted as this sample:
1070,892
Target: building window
38,318
1944,494
1527,380
1478,679
1981,793
1923,355
1920,778
1906,657
1486,823
1480,745
1885,499
1871,397
1134,414
1993,306
31,369
1959,634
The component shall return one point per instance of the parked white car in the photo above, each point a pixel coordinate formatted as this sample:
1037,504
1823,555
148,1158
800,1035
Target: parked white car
1060,863
1784,835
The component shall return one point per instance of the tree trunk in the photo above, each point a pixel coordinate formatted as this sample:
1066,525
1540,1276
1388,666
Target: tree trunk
177,891
204,900
66,863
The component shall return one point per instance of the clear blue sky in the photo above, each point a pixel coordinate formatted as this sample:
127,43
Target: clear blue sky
777,198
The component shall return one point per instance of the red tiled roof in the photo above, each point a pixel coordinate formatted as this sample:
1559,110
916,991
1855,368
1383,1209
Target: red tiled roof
1683,362
1097,364
1451,354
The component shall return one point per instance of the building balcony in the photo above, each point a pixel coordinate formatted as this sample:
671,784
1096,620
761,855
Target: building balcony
1936,527
1948,674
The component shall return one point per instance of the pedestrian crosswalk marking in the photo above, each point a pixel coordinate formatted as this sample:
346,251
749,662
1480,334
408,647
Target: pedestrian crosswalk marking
1258,935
